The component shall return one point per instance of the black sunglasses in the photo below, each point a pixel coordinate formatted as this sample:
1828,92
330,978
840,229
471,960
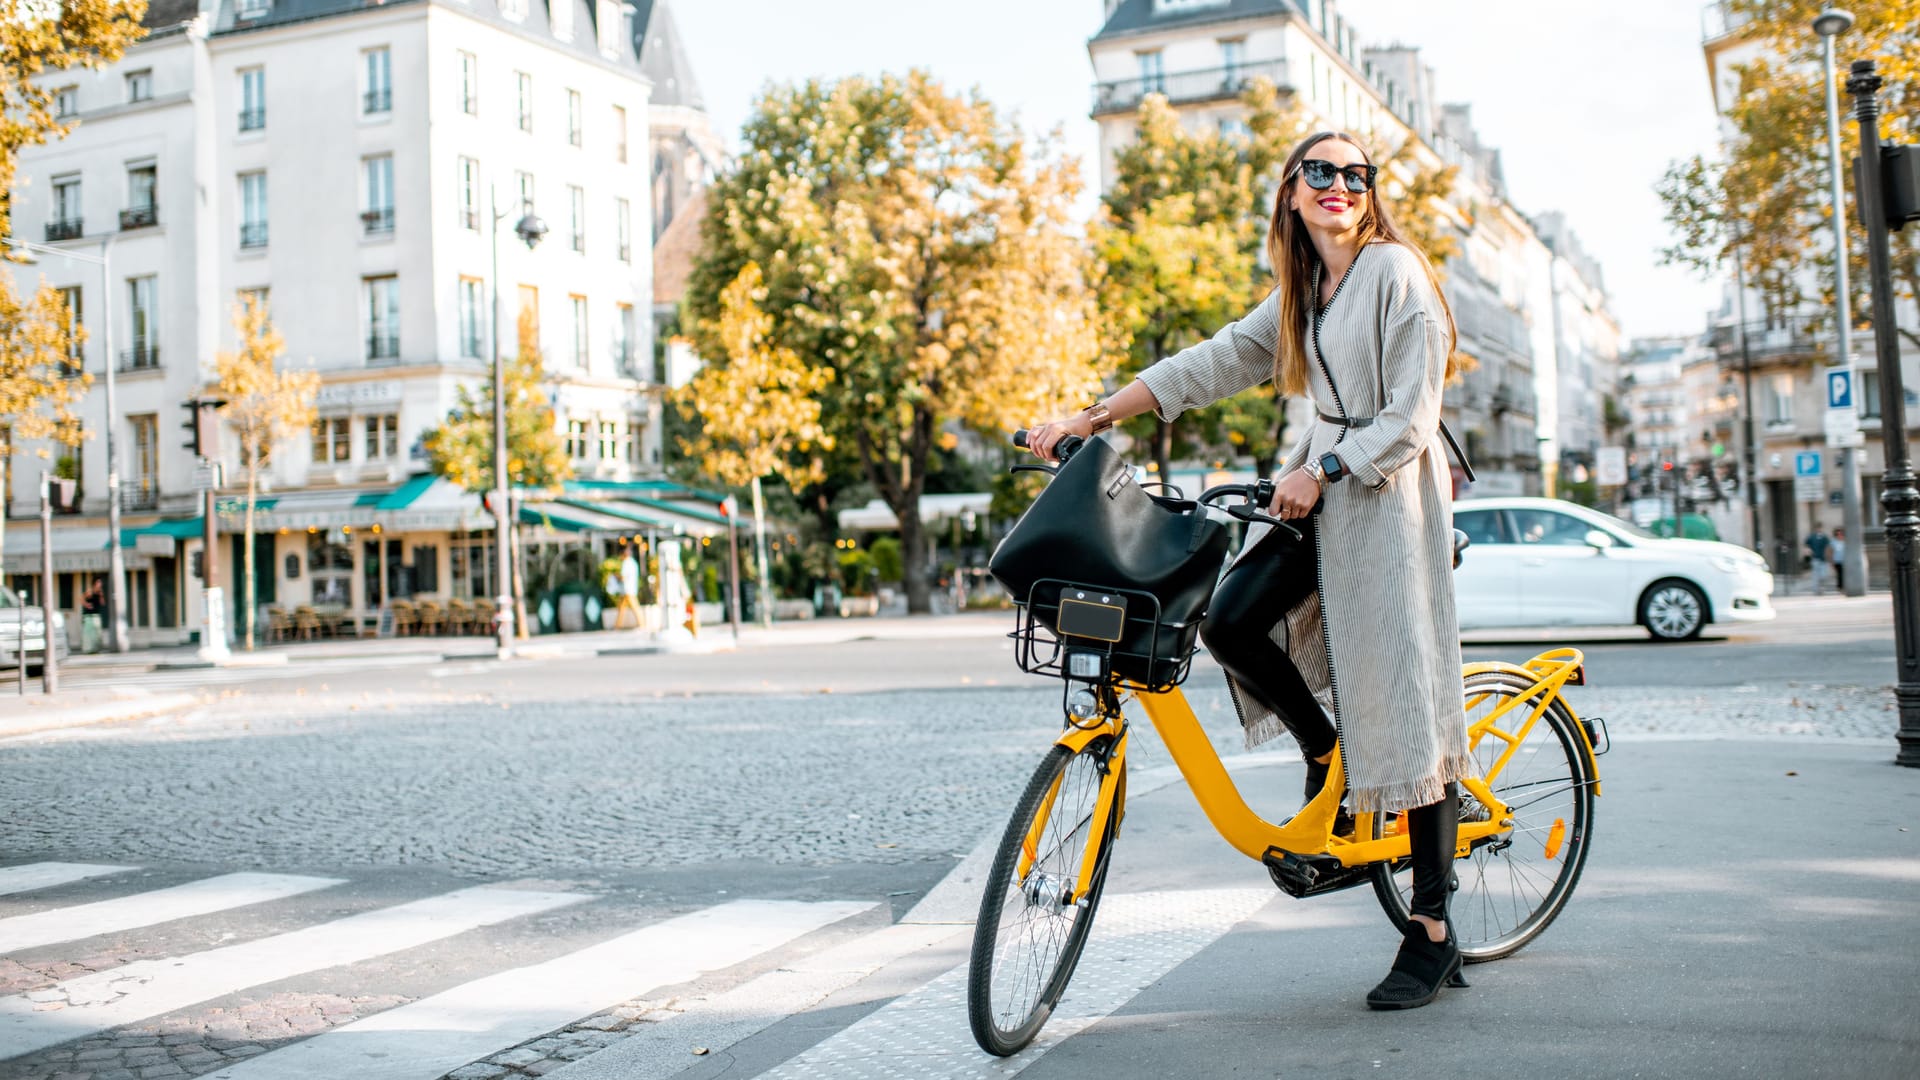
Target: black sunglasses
1320,175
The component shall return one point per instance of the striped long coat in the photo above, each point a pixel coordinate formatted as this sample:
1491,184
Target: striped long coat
1379,643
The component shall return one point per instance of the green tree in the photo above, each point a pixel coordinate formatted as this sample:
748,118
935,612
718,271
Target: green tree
1763,199
461,448
262,405
916,247
39,38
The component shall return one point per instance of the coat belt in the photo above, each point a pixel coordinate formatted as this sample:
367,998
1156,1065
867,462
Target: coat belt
1345,421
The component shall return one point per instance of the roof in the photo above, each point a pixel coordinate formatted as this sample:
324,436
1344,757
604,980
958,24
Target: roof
537,23
1138,16
677,248
663,58
166,14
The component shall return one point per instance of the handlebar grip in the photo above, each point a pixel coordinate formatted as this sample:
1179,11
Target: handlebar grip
1020,438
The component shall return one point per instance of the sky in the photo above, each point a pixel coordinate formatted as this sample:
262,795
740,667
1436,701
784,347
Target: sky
1588,102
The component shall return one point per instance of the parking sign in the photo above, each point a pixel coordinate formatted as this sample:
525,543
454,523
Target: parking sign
1840,388
1807,483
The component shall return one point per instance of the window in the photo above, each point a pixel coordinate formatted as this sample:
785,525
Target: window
1866,385
145,485
1481,526
252,9
578,442
253,99
514,9
66,101
623,228
383,437
383,318
378,216
620,134
1152,74
471,304
66,223
623,338
379,93
1549,528
469,179
71,298
1233,127
1780,399
577,206
1233,53
256,295
253,210
636,438
140,85
579,306
524,181
469,84
610,441
576,119
142,192
525,83
330,440
145,343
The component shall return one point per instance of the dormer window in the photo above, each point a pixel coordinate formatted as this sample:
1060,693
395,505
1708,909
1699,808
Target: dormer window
514,9
1175,7
561,15
252,9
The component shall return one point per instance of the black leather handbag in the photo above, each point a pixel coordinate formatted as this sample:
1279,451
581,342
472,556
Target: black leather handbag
1094,527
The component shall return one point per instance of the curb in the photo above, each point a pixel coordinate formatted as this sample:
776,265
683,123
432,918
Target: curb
55,717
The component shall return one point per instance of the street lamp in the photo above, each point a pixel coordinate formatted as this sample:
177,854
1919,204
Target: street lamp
116,559
530,229
1828,24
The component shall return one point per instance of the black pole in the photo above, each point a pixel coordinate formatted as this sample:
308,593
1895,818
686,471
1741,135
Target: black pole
733,564
1746,378
1898,497
49,665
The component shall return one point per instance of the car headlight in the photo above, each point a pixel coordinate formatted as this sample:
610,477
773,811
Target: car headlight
1725,564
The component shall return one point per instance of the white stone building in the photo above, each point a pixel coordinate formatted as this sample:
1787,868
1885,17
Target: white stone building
342,159
1202,53
1586,348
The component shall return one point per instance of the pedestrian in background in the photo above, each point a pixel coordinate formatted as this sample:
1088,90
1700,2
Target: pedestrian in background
1817,554
1837,554
93,612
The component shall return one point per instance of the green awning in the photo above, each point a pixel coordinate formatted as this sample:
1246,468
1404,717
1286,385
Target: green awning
572,519
401,497
620,510
696,511
650,489
177,528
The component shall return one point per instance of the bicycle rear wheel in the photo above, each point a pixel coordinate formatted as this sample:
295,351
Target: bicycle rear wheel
1031,927
1512,884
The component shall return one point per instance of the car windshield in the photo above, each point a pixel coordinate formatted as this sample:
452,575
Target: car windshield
1628,527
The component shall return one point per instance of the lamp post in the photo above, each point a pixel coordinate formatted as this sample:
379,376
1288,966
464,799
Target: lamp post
529,229
1829,24
117,639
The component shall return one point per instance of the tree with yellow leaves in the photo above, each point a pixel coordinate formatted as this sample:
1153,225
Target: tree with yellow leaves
914,246
38,37
1763,200
41,378
262,405
461,449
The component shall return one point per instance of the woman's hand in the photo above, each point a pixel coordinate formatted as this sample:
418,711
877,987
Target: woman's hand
1294,496
1042,438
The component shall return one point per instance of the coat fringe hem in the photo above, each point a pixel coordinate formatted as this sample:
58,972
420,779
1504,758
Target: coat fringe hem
1425,791
1264,729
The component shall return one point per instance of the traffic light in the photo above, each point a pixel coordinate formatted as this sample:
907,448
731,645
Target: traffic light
201,418
1900,180
1666,466
192,405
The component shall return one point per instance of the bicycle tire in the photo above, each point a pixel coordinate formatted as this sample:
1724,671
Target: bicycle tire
1553,819
1005,1014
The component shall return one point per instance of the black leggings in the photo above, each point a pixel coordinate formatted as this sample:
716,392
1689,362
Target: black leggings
1263,586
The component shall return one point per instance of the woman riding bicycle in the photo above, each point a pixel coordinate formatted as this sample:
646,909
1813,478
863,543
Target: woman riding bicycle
1357,616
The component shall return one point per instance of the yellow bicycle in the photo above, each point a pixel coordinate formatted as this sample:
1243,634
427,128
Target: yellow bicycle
1526,819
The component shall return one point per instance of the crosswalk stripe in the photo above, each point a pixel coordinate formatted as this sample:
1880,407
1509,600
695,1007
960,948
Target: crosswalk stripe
148,908
147,988
1136,940
45,875
656,1050
429,1037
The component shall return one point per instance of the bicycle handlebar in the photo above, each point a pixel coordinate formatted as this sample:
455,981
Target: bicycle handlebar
1258,495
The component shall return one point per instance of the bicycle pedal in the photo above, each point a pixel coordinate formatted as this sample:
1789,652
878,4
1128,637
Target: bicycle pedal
1301,876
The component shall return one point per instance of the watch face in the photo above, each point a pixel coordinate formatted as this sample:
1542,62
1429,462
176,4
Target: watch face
1330,464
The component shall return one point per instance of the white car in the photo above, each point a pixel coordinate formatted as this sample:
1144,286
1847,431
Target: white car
20,631
1545,562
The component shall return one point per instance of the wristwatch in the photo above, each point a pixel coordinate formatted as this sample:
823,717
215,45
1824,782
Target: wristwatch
1098,414
1332,469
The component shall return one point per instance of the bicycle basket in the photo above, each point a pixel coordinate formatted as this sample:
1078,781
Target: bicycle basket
1127,629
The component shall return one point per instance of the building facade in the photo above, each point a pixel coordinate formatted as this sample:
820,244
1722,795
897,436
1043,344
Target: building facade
348,163
1202,53
1586,351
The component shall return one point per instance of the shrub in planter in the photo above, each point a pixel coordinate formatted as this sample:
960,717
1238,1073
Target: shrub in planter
887,562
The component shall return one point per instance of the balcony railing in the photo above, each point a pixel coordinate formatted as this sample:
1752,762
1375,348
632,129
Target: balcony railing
139,217
254,235
377,101
140,493
64,230
1769,342
142,357
383,348
377,221
1185,87
253,119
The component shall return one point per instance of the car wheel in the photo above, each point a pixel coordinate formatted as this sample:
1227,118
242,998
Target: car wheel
1673,611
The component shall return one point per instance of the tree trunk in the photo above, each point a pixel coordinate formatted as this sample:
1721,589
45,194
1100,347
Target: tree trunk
915,562
250,590
518,552
1163,449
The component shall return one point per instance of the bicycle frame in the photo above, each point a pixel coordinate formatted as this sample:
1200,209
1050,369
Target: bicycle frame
1310,831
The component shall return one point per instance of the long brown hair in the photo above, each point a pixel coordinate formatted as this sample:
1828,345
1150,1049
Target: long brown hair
1290,251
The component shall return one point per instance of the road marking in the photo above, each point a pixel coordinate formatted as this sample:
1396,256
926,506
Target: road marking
658,1049
434,1035
1135,941
23,932
146,988
45,875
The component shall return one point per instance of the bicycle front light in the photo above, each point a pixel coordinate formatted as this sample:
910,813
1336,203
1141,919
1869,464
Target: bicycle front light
1091,666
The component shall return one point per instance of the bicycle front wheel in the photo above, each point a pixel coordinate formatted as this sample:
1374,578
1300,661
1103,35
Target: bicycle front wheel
1513,883
1032,926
